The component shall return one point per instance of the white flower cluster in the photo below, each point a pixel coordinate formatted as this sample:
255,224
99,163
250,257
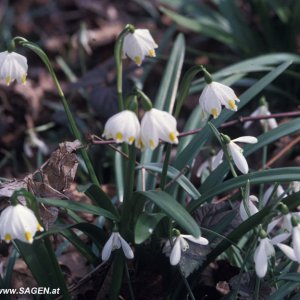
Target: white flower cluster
155,125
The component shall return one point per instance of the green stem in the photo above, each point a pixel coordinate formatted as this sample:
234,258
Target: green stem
264,161
186,283
118,53
129,282
127,203
74,129
164,172
185,87
256,290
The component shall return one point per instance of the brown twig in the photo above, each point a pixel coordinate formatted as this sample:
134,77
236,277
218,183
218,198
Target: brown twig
282,152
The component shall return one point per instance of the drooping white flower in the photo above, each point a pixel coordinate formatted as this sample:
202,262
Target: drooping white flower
18,222
13,66
262,253
211,164
292,252
236,152
214,95
279,193
295,186
123,127
180,244
262,110
251,207
33,141
139,44
157,124
116,242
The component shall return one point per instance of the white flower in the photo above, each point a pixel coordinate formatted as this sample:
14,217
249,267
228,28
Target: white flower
214,96
236,152
139,44
182,245
251,207
116,242
33,141
13,66
279,193
262,110
157,124
123,127
293,253
295,186
211,164
264,250
18,222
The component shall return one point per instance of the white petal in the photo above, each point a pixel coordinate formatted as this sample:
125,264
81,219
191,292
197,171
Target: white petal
106,251
280,238
204,166
296,242
267,195
248,123
260,260
217,160
251,207
199,240
238,157
126,248
175,253
246,139
209,103
272,224
288,251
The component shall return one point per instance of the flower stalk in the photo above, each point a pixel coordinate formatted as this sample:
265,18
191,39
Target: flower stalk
74,129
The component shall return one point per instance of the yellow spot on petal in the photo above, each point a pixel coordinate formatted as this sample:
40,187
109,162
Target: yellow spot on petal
119,137
28,236
40,228
214,112
23,79
8,80
131,140
152,52
173,137
137,60
152,144
7,238
140,144
232,104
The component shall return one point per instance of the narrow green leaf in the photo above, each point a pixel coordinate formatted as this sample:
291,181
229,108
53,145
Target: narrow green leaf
182,180
173,209
266,176
98,196
78,206
145,225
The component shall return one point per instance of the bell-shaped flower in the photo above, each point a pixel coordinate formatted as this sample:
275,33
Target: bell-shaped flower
116,242
139,44
251,208
292,253
262,253
180,244
279,193
210,165
214,95
122,127
33,141
157,124
262,110
13,66
18,222
236,152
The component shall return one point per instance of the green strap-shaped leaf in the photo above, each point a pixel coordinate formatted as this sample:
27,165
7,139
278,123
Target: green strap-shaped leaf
171,208
145,225
265,176
100,197
265,139
182,180
77,206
